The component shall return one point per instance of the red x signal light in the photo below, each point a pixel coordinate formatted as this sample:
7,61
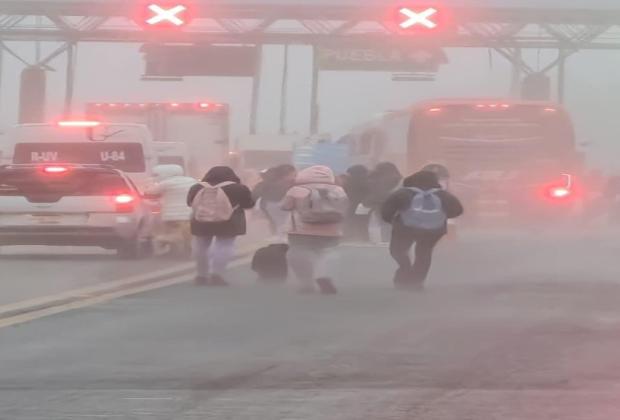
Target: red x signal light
165,14
419,19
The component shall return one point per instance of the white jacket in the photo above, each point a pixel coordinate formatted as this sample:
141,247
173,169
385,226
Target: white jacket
173,187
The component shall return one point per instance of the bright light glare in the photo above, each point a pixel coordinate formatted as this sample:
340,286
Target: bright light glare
166,15
55,169
414,18
560,192
79,124
124,199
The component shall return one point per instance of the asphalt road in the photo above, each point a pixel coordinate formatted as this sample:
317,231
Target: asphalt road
34,272
511,328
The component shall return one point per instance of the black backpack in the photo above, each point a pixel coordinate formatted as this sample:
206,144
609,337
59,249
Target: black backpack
270,263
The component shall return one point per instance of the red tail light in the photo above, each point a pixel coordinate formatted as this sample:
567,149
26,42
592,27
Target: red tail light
125,203
559,192
55,170
79,124
565,190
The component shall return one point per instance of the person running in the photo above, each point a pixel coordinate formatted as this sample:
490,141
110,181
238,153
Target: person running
271,191
218,217
382,181
172,186
318,207
418,213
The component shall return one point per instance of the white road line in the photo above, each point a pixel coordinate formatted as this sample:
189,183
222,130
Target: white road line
31,316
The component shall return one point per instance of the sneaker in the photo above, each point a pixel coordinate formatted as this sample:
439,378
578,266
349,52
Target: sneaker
217,281
326,286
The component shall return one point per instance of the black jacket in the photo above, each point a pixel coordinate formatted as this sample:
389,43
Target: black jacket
401,200
356,187
381,183
240,197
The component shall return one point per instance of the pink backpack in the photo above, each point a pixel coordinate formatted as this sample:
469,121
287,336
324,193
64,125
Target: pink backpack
211,204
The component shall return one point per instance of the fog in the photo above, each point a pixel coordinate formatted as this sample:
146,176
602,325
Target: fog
112,73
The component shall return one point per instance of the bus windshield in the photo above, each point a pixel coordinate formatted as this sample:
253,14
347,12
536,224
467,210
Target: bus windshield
487,137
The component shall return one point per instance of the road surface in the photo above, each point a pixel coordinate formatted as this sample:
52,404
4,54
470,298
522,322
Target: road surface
511,328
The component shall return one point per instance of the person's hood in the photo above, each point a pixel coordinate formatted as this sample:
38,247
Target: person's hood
316,175
424,180
358,172
162,172
219,174
387,170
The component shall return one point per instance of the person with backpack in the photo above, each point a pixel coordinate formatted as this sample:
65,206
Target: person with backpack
218,216
318,209
382,181
172,186
419,213
271,191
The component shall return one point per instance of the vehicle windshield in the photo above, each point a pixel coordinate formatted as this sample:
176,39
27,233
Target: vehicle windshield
128,157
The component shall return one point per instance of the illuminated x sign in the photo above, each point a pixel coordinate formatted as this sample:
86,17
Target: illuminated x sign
421,19
173,15
412,18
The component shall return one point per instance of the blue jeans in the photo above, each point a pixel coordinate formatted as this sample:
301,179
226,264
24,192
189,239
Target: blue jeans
212,254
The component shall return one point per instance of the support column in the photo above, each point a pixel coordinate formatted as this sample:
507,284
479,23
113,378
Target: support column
515,81
70,80
314,101
561,76
1,78
284,93
256,82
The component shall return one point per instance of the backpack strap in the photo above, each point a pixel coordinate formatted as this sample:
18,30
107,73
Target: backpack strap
224,184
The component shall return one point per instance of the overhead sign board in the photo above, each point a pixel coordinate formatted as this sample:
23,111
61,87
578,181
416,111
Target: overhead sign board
199,60
390,59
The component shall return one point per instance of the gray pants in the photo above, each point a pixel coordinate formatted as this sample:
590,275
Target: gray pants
212,254
312,257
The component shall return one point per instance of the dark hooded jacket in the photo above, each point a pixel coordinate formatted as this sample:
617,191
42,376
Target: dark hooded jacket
274,185
401,200
356,186
382,181
239,195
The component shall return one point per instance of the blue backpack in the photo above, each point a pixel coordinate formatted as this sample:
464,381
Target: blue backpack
425,211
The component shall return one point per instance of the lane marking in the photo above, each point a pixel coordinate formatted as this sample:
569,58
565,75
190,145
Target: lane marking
70,296
43,313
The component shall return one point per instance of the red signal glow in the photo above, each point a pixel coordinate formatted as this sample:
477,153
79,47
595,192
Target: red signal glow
559,192
565,190
434,111
79,124
55,170
413,18
124,199
424,18
167,15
